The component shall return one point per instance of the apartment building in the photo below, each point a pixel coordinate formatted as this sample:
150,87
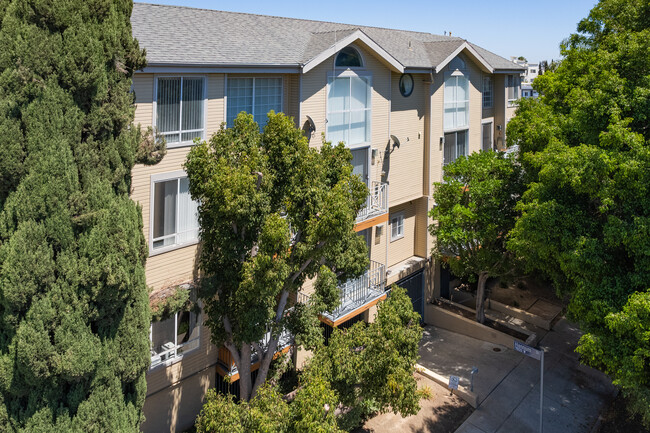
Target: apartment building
404,102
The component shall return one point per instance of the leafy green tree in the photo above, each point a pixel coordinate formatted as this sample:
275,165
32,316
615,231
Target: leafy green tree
364,369
473,214
273,213
73,301
371,366
585,215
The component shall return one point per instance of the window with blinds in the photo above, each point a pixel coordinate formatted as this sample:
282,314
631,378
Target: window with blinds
175,214
180,105
256,96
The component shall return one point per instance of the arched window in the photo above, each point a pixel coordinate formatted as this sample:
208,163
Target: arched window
348,57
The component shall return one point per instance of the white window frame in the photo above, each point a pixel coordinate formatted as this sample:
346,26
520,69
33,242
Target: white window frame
455,131
457,68
172,355
488,97
253,78
356,68
399,218
205,108
158,178
343,73
483,123
516,86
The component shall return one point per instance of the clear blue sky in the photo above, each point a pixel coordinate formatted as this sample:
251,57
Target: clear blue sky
533,29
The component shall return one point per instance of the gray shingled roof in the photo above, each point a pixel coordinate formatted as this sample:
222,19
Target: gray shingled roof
174,35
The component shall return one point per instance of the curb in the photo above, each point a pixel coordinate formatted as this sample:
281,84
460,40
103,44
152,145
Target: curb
464,393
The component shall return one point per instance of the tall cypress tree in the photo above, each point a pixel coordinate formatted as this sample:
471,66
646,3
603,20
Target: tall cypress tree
73,299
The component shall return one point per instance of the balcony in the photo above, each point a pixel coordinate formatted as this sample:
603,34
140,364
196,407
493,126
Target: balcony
363,291
376,202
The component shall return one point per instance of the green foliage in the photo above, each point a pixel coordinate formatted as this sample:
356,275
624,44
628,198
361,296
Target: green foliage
622,350
172,304
152,147
266,413
371,365
73,301
273,212
474,211
584,145
365,369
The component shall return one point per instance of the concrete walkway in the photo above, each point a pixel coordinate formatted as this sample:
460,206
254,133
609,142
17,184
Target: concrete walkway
574,395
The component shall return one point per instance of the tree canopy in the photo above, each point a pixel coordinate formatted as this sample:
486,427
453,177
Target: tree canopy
474,212
585,215
73,301
273,214
364,369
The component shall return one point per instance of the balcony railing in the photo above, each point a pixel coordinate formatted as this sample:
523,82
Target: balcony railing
376,202
360,291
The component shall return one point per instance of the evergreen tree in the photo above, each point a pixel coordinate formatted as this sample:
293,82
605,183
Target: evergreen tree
73,301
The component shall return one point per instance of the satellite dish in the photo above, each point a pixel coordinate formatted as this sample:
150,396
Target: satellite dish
395,141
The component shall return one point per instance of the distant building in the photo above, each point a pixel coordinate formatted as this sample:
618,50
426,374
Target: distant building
527,78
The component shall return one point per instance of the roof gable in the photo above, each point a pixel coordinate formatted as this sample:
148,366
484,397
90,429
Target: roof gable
354,36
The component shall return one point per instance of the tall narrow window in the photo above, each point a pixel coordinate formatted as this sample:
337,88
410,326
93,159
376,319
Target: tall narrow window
256,96
179,108
487,92
396,226
486,135
456,102
455,145
513,89
174,216
360,163
348,109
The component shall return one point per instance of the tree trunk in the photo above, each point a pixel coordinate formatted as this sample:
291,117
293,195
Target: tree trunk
480,297
244,369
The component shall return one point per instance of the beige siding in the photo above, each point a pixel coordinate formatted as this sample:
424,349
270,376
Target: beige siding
421,228
475,115
214,114
314,103
173,266
292,100
402,248
404,165
143,89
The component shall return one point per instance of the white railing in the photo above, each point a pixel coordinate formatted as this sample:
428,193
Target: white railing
376,202
359,291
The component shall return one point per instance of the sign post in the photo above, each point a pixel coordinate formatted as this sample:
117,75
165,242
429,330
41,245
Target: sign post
537,354
453,382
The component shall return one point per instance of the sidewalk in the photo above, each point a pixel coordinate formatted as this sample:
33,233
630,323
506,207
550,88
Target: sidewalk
574,394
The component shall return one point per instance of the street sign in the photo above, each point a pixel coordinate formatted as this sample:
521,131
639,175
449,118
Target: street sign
528,350
453,382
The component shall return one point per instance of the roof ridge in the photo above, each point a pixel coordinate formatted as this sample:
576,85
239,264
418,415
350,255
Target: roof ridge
294,19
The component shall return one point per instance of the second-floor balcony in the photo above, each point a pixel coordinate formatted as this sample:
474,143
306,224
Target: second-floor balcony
376,202
359,292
